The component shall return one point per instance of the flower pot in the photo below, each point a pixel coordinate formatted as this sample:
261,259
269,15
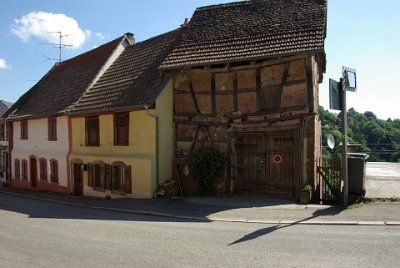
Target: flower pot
305,197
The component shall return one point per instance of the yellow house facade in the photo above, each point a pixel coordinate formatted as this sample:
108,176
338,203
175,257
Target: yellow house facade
122,127
147,157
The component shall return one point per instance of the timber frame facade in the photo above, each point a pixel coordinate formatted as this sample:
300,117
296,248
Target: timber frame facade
262,115
246,80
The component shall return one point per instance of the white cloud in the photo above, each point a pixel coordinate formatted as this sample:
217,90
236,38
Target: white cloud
100,36
4,65
45,26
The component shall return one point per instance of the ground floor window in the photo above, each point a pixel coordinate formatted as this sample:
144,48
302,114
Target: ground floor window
43,169
121,178
17,169
53,170
115,177
24,164
96,173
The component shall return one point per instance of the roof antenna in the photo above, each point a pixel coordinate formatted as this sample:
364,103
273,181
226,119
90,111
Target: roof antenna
58,45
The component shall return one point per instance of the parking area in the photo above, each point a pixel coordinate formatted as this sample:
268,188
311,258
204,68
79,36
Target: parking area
382,180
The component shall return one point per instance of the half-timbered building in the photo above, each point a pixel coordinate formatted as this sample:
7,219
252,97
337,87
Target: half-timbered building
246,78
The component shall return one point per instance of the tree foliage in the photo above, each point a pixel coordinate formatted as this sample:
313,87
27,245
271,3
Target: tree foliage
379,138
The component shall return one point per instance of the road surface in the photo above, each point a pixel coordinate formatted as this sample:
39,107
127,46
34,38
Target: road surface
41,234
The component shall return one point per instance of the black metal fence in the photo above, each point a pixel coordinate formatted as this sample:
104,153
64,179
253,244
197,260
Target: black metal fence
330,176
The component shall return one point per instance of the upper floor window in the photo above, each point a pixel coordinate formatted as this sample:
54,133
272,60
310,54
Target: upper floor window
53,170
121,128
43,169
52,128
92,131
17,169
24,129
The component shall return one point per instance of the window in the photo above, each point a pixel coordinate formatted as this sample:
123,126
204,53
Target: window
92,131
52,128
121,128
24,129
121,178
96,175
2,132
24,164
43,169
17,169
53,170
115,177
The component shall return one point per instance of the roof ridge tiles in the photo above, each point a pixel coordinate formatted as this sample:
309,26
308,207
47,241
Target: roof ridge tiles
231,4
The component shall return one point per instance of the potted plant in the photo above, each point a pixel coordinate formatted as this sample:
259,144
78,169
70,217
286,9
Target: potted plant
305,194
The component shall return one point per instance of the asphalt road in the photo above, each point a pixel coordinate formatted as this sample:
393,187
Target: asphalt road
41,234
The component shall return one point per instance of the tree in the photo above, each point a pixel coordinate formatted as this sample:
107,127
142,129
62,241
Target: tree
379,138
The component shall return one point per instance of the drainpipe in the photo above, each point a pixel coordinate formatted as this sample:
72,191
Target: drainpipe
157,144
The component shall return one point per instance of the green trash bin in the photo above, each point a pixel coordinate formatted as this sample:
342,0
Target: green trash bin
357,165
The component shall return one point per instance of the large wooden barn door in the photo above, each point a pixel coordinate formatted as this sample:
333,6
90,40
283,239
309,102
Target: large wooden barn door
250,166
265,163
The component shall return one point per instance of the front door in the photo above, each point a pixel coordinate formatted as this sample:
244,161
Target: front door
33,172
78,179
265,163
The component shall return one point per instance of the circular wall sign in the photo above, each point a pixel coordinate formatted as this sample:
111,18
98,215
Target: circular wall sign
277,159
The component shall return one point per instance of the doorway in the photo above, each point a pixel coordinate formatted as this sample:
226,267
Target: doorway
33,172
266,163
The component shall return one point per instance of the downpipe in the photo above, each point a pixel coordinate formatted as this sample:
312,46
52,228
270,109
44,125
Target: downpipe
157,146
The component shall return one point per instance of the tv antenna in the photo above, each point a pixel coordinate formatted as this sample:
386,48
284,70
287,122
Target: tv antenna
58,45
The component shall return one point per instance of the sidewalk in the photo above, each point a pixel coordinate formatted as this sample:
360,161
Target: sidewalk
231,208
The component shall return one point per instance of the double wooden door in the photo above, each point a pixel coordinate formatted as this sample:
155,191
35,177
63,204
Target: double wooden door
265,162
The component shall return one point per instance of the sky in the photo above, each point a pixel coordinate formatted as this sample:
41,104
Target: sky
361,34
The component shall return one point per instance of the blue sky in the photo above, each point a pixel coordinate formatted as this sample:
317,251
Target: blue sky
362,34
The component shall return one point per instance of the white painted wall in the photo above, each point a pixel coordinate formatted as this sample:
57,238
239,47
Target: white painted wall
38,145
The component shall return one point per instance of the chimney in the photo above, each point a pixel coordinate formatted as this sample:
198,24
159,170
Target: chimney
130,38
186,22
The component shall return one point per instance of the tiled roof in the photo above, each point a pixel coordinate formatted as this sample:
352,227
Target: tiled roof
133,80
63,84
4,105
250,30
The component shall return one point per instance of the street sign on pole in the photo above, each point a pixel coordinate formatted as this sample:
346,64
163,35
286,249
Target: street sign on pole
335,95
337,101
349,83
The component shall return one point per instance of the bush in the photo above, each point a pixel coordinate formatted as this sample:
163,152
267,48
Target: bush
206,165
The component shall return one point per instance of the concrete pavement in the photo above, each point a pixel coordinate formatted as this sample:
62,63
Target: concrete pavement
382,180
232,208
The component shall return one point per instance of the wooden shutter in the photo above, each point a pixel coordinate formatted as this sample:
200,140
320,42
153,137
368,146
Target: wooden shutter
108,177
128,180
103,175
90,174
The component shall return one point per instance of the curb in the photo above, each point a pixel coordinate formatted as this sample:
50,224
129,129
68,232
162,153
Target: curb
211,219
